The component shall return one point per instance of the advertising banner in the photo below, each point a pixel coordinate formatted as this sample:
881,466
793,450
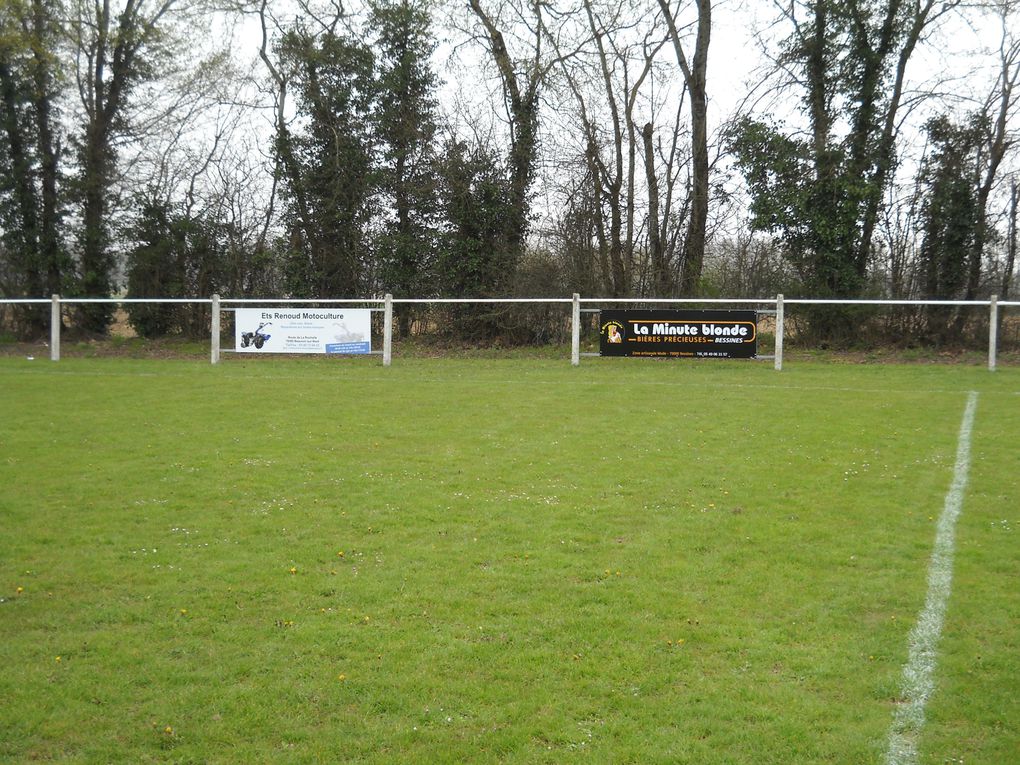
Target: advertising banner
303,330
679,334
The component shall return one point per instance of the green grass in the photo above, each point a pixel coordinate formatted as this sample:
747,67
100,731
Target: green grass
625,562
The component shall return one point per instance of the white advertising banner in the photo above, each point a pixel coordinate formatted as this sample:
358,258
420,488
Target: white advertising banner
303,330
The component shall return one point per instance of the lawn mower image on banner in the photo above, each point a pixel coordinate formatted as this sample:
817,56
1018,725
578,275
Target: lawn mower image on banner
257,338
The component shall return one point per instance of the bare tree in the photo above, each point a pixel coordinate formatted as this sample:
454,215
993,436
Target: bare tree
999,111
666,213
607,75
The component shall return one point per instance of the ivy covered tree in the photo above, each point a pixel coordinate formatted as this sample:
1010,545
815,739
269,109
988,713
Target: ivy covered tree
523,65
327,165
821,190
152,270
405,126
175,253
474,249
33,259
951,216
813,213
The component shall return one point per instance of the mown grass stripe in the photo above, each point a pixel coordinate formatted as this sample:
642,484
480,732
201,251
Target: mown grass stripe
440,379
919,671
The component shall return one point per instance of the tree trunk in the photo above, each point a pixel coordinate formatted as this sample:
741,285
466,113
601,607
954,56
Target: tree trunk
1007,276
522,104
817,85
96,262
1011,241
880,160
598,214
697,229
695,76
661,286
523,150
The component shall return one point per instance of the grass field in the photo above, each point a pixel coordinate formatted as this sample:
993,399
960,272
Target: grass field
306,560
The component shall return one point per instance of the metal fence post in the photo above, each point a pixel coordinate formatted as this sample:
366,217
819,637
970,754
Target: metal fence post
387,343
993,331
55,324
575,331
779,332
215,339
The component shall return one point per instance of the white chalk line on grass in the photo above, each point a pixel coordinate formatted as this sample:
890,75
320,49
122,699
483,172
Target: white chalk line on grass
919,671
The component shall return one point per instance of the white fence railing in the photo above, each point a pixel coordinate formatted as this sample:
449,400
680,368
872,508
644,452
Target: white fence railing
218,305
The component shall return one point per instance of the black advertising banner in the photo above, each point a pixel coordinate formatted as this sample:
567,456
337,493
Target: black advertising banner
679,334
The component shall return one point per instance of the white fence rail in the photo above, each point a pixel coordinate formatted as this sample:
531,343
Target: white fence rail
218,305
